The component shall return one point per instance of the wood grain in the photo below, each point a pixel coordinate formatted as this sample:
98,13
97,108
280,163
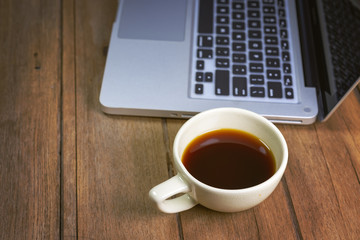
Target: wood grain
68,126
325,199
345,159
119,159
29,119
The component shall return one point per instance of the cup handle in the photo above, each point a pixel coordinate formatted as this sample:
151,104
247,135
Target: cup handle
162,192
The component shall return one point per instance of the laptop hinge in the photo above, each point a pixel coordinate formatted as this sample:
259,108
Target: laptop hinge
310,40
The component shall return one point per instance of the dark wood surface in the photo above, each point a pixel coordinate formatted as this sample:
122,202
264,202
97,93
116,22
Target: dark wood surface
68,171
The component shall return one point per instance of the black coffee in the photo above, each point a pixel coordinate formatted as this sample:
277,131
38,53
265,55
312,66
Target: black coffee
229,159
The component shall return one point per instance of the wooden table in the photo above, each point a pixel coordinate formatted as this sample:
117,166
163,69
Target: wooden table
69,171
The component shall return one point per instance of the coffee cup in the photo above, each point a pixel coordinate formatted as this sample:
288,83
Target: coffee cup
214,183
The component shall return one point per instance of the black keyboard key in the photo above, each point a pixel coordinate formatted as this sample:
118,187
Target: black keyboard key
282,13
238,25
270,30
199,88
223,1
222,82
288,80
285,56
205,53
284,34
255,45
206,12
272,62
205,41
281,3
254,34
256,67
222,10
222,30
254,14
287,68
274,90
257,92
289,93
199,77
257,79
269,20
238,47
200,64
238,36
239,86
239,69
208,77
273,40
254,24
239,57
222,51
222,62
273,74
238,15
282,23
238,6
222,40
222,19
255,56
272,51
284,45
253,4
268,10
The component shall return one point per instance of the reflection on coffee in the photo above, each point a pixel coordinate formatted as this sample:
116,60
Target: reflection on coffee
229,159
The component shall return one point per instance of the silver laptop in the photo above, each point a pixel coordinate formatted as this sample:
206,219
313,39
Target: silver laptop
290,61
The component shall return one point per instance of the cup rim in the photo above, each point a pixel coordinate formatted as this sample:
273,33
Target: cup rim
276,176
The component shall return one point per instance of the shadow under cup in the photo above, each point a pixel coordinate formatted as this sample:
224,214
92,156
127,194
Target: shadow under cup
226,200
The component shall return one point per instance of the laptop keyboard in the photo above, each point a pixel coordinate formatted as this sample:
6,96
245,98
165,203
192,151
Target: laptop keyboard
245,54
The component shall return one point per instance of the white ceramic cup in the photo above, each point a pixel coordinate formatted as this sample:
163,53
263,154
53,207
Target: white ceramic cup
223,200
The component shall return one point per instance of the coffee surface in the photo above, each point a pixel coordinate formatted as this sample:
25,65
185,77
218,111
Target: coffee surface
229,159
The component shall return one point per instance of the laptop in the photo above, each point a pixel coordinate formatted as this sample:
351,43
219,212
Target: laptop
290,61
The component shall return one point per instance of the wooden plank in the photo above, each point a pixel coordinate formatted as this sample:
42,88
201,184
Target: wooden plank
310,185
68,148
275,217
349,112
340,144
272,219
323,174
201,223
29,119
119,159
